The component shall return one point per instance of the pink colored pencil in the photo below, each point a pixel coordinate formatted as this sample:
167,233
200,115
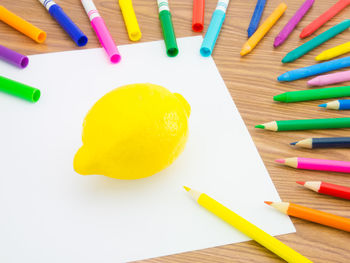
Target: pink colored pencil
330,79
293,22
316,164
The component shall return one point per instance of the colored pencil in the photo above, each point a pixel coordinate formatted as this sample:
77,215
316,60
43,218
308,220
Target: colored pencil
316,41
22,25
322,19
305,124
328,189
327,142
132,26
293,22
312,215
101,31
212,34
313,94
198,15
334,52
330,79
263,29
247,228
315,69
255,20
337,105
316,164
65,22
168,29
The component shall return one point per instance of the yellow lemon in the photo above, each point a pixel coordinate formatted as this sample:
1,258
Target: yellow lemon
133,132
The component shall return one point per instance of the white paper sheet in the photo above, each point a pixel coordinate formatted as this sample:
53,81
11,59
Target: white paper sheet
51,214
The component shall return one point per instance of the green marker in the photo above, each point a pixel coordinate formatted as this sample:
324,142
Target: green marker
18,89
313,94
168,29
307,124
316,41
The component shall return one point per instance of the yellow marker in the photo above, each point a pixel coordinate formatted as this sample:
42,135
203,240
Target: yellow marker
334,52
132,26
263,29
247,228
22,25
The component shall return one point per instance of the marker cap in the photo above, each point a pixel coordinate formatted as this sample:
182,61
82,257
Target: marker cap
19,90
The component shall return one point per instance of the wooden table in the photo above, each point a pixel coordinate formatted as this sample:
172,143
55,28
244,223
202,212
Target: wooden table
252,83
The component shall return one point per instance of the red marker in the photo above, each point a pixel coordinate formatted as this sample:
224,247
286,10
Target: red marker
322,19
328,189
198,15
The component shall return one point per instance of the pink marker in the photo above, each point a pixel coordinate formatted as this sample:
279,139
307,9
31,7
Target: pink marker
101,31
316,164
330,79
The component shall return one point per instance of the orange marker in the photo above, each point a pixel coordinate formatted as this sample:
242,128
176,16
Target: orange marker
263,29
21,25
312,215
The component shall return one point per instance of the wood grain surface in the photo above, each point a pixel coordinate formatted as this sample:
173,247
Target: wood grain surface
252,84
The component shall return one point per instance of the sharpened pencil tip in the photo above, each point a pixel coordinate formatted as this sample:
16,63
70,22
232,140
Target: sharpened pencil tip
293,143
268,202
323,105
280,161
260,126
300,182
187,188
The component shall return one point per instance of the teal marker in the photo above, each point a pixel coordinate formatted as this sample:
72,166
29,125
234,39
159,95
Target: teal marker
167,28
316,41
213,31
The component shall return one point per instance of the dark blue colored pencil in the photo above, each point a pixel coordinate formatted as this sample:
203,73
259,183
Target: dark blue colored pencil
254,22
328,142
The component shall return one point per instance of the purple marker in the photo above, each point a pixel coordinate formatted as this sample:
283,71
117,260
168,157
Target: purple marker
13,57
292,23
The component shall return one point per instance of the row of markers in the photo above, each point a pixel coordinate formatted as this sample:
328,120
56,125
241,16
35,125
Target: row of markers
256,34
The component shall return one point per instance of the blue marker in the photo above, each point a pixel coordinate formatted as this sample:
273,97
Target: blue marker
315,69
254,22
57,13
337,105
213,31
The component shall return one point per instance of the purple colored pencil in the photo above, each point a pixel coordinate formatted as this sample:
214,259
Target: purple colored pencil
13,57
292,23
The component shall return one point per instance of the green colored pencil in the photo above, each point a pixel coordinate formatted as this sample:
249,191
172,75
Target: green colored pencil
306,124
313,94
316,41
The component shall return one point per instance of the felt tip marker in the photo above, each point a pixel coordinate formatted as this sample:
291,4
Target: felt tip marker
101,30
13,57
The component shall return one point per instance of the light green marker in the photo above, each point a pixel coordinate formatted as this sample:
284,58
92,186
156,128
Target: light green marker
316,41
18,89
313,94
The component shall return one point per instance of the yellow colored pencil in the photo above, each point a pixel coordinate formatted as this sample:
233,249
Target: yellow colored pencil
247,228
334,52
263,29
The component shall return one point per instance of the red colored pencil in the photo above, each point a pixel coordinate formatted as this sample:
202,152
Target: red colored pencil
322,19
328,189
198,15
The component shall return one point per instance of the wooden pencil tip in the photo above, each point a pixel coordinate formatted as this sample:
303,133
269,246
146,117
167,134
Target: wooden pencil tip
300,182
187,188
280,161
323,105
268,202
293,143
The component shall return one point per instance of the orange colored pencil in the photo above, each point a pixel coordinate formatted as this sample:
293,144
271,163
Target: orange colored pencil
312,215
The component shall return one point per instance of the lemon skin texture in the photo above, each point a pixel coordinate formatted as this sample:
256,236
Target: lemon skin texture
133,132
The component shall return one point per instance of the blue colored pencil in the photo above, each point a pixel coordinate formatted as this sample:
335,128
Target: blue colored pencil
337,105
315,69
254,22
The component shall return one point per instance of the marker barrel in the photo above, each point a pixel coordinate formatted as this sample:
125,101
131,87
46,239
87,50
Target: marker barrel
22,25
19,90
13,57
132,26
168,33
198,15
